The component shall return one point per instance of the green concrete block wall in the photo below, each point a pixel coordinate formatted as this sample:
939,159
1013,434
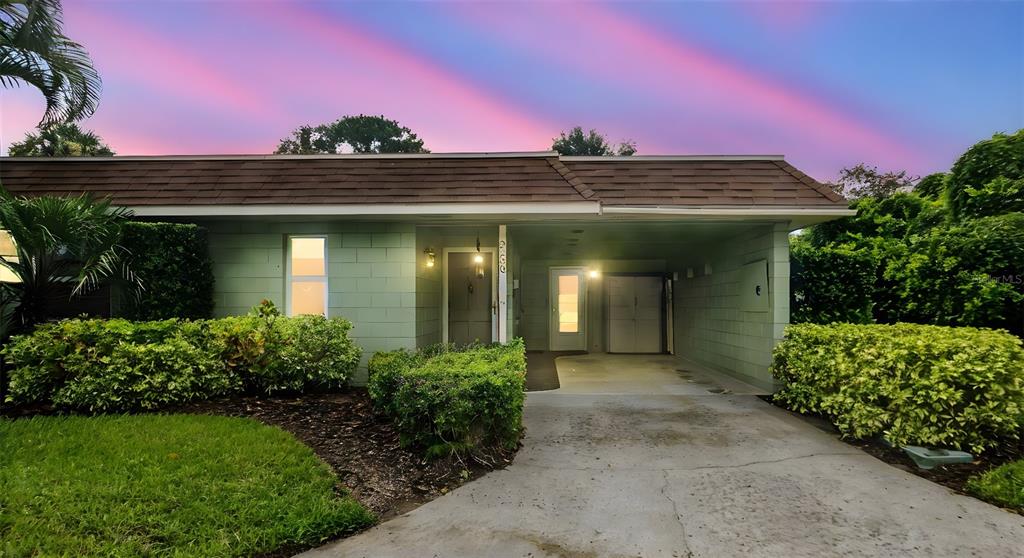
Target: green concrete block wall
371,267
428,288
711,327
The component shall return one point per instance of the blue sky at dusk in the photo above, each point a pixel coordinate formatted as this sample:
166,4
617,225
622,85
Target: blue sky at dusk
900,85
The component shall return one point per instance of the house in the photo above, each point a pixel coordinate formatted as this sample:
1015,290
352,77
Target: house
682,255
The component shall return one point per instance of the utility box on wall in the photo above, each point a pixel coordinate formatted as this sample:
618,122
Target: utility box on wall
754,287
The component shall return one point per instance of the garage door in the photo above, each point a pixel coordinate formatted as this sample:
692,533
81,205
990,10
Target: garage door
634,314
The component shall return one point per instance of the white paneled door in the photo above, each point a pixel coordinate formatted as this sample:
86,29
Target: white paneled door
567,323
634,314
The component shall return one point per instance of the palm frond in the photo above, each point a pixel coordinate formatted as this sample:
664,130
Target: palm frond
71,241
34,50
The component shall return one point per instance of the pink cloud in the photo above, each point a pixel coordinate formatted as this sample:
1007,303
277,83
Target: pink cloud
164,65
616,48
20,111
354,71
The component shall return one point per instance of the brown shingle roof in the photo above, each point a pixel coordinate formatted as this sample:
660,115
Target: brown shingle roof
438,178
683,181
295,180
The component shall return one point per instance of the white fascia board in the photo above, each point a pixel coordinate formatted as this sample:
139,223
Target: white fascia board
759,211
525,208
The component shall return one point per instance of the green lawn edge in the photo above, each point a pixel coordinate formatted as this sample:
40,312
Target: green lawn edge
164,484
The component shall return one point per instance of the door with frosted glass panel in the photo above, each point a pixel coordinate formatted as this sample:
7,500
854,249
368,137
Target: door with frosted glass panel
567,310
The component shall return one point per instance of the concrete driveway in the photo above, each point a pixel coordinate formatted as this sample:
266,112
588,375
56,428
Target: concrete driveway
675,468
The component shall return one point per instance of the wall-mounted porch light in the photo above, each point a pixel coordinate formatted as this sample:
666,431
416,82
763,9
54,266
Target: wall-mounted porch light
430,257
593,274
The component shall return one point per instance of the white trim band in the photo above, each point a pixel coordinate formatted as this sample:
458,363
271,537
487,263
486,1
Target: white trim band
733,211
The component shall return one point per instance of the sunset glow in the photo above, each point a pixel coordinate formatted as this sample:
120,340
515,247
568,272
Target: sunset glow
904,85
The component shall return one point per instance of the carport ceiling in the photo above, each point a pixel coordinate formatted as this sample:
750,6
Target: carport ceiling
638,240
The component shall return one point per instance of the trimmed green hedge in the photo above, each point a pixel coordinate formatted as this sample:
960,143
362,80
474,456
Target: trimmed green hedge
915,384
118,365
453,400
831,284
172,261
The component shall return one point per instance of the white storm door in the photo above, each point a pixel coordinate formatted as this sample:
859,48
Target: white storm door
621,314
567,310
648,314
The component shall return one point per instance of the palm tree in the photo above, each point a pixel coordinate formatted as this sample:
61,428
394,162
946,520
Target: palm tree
61,140
56,247
34,50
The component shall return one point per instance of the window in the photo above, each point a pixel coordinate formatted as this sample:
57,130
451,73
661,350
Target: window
568,303
9,253
307,275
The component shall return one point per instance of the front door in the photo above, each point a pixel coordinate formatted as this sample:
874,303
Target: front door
634,314
470,300
567,310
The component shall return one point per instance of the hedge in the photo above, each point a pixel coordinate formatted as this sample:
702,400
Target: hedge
452,400
831,284
172,262
959,388
118,365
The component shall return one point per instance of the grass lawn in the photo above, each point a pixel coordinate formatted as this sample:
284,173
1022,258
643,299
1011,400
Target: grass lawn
182,485
1003,485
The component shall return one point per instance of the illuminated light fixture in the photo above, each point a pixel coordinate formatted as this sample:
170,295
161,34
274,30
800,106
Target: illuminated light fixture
479,258
594,274
431,256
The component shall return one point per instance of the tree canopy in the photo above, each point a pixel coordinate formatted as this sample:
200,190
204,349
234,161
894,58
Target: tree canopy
860,181
34,50
61,140
989,178
576,142
353,134
949,251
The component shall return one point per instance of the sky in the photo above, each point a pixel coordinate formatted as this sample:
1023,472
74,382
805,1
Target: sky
900,85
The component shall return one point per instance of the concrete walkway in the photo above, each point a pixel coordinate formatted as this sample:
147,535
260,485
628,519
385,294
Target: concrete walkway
682,470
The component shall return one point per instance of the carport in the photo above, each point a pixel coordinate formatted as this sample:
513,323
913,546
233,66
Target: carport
711,293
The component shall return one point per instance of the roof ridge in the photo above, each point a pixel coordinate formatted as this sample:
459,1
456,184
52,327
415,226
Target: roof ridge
808,181
581,187
669,158
308,156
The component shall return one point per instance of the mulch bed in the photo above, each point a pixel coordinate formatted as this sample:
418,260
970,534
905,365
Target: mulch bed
360,446
952,476
541,374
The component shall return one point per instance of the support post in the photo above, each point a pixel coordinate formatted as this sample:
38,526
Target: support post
502,284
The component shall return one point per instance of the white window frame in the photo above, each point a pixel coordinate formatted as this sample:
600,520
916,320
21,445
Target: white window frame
289,278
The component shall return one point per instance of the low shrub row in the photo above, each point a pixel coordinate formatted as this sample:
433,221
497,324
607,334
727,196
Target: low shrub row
915,384
119,365
452,400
